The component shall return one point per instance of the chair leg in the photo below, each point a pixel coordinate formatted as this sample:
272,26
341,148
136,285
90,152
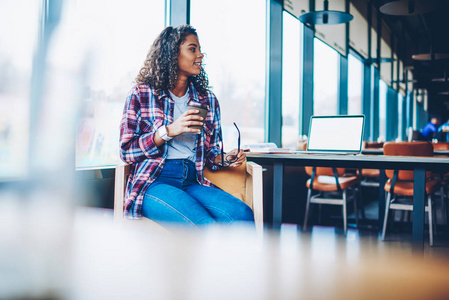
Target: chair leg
309,195
387,209
362,206
430,212
446,206
345,217
320,212
404,216
443,205
356,211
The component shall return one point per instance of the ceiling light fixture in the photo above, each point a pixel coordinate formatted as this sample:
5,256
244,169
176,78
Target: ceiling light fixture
409,7
325,17
439,79
430,56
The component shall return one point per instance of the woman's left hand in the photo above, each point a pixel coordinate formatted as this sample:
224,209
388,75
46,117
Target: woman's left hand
240,155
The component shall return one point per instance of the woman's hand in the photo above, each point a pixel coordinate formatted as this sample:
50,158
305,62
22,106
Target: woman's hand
181,124
241,157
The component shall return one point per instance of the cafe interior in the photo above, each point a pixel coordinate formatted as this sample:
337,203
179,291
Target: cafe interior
334,219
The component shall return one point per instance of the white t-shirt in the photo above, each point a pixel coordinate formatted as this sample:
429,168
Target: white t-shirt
184,145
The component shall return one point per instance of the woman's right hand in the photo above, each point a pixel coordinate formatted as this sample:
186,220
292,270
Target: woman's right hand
181,124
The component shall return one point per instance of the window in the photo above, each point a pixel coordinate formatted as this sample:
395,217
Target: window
383,90
102,51
292,37
401,127
19,24
325,78
355,85
234,41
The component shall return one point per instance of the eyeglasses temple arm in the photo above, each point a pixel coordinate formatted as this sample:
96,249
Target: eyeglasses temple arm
238,141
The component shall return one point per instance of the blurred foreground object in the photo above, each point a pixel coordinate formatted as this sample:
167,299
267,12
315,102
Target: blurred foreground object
107,260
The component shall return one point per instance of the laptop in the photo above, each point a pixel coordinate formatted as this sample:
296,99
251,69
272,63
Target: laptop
341,134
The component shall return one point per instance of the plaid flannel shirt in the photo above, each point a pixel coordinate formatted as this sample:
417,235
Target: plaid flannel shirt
143,114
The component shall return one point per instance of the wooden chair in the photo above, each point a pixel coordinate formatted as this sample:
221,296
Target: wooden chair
443,177
329,181
399,186
244,182
372,145
441,146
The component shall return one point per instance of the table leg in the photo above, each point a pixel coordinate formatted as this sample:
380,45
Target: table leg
278,176
419,182
381,197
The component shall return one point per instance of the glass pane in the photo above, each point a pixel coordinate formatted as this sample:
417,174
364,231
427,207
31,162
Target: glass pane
107,50
18,39
325,78
383,89
335,35
400,116
232,34
358,37
292,37
355,85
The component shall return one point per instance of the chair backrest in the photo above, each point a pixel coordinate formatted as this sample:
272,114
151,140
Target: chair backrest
407,149
322,171
325,171
231,180
441,146
373,145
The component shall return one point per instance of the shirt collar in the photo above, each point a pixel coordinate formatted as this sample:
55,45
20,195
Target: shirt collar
193,94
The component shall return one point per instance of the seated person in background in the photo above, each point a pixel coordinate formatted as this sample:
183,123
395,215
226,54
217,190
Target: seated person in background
443,130
444,127
429,129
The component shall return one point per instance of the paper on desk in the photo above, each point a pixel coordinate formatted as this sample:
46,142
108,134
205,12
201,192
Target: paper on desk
265,148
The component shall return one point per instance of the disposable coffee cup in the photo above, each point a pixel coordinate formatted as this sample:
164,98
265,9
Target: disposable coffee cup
203,110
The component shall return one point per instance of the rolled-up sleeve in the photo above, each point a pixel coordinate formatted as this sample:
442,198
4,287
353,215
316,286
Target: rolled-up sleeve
136,145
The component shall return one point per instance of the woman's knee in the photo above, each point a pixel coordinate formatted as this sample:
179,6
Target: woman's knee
174,207
231,210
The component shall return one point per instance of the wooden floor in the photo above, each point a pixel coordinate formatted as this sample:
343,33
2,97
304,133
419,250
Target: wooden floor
331,241
398,238
232,262
367,235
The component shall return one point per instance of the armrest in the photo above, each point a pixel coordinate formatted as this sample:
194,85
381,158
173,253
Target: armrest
254,192
121,176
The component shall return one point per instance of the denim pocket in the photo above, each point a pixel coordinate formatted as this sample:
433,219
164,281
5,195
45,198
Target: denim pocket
173,168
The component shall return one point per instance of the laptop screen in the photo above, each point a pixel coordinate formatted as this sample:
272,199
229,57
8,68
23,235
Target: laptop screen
336,133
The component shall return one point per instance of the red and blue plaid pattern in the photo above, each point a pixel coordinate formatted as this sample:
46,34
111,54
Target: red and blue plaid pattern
143,114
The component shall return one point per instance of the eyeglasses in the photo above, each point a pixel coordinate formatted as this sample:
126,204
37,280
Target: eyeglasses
230,158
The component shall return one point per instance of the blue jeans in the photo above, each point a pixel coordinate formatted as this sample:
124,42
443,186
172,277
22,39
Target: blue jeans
177,197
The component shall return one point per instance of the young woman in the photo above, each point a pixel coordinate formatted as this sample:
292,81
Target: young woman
166,183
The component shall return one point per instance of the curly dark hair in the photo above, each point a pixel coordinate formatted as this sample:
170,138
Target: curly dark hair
160,70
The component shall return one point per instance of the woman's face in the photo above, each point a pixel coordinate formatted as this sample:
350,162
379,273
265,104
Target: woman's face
189,57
